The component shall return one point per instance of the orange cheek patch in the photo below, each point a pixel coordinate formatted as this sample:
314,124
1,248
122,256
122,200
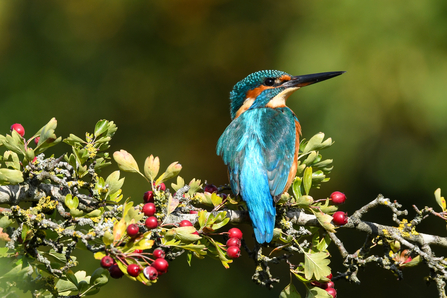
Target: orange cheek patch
285,78
257,91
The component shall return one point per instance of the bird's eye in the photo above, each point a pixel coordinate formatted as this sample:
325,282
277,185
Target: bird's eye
269,82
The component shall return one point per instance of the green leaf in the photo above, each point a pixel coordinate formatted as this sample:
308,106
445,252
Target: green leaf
15,143
216,199
317,292
114,182
296,187
63,285
151,167
325,221
289,292
316,264
304,201
172,204
180,183
194,186
11,176
307,180
100,277
107,238
440,200
73,140
172,171
11,160
125,161
186,234
143,244
100,127
71,202
310,158
316,143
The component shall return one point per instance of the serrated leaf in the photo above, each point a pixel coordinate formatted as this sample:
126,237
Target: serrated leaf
216,199
202,218
114,182
119,230
317,292
440,200
194,186
172,204
11,160
72,140
107,238
304,200
151,167
125,161
316,264
71,202
180,183
307,180
325,221
172,171
289,292
186,234
63,285
143,244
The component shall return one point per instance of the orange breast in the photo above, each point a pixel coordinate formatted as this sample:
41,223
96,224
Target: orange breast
294,167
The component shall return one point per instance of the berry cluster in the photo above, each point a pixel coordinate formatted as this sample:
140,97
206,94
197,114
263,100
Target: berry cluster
339,218
234,243
157,265
328,286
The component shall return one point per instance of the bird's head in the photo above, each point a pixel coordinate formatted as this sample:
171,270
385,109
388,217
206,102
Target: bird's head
270,88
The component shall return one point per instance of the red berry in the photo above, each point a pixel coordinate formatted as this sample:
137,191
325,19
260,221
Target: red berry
137,251
338,197
36,140
234,242
151,222
34,159
330,284
19,128
332,292
159,253
148,196
340,218
150,272
210,188
161,265
193,212
133,270
161,186
329,276
132,230
235,233
185,223
115,271
233,252
149,209
107,262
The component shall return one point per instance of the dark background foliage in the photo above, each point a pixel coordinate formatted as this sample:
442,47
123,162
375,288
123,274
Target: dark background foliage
162,70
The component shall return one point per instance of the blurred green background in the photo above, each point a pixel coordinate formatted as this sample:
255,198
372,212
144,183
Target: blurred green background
162,70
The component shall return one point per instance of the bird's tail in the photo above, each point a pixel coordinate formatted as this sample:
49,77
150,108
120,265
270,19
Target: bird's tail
255,191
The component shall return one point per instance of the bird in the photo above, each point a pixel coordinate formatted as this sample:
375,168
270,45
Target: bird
260,145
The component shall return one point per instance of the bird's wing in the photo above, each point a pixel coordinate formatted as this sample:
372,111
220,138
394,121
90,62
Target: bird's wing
274,130
232,155
279,137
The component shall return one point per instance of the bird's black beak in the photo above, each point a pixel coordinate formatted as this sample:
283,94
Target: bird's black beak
305,80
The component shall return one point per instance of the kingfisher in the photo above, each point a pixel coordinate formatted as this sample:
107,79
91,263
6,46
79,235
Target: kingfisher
260,146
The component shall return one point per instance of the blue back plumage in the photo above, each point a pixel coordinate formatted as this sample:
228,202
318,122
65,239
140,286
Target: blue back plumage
258,147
